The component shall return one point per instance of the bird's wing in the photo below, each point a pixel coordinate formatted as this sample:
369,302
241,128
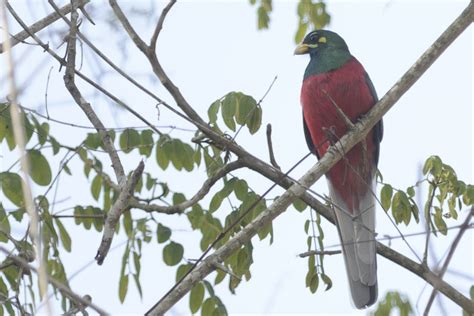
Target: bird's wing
378,128
309,140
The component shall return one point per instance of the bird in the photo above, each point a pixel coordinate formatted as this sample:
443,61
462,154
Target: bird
336,92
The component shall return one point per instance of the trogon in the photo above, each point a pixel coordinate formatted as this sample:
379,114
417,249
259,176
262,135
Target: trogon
336,92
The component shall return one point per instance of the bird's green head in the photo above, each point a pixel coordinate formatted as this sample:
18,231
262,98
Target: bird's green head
320,40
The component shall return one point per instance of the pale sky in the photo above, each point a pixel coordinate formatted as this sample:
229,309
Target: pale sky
212,47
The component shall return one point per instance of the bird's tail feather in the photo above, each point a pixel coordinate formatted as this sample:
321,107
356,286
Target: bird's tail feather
357,234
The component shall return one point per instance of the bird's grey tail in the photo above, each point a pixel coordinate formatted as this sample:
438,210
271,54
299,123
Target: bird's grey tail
357,234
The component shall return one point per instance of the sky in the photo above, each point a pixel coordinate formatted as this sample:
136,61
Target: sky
209,48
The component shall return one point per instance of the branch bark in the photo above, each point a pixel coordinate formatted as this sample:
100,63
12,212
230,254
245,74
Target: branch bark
41,24
326,162
120,205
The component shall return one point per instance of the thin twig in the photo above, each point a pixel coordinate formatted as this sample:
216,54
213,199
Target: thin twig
319,253
88,80
452,249
84,105
159,25
340,112
38,26
76,298
270,147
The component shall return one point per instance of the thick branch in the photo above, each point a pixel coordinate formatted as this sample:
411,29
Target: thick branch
326,162
41,24
120,205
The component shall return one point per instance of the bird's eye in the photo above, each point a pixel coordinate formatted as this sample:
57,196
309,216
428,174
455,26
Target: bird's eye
313,38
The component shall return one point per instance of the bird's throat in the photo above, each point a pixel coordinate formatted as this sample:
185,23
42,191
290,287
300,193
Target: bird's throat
326,60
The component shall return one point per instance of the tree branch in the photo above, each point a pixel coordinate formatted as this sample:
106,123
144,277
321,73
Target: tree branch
326,162
77,299
452,249
41,24
120,205
181,207
319,253
83,104
159,25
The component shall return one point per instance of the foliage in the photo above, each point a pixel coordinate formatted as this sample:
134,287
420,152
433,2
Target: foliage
311,15
236,108
393,301
447,195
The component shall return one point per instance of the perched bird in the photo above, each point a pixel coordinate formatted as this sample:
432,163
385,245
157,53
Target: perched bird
336,92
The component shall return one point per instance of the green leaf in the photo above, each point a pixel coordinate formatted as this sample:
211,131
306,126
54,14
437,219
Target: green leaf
40,170
161,154
177,153
3,289
173,253
262,18
137,283
439,221
327,280
178,198
228,110
188,157
146,142
386,196
96,187
212,111
411,191
4,224
255,120
196,297
123,287
182,270
301,31
11,187
299,205
215,203
208,307
163,233
245,105
63,235
129,139
240,189
93,140
43,132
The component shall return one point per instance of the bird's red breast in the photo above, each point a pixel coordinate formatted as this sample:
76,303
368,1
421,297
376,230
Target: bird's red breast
347,89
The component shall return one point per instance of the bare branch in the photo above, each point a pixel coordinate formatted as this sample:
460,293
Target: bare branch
181,207
87,79
120,205
128,27
270,147
326,162
452,249
78,299
319,253
84,105
159,25
41,24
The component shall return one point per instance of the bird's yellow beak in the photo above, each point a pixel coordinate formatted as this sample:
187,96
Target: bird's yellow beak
301,49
